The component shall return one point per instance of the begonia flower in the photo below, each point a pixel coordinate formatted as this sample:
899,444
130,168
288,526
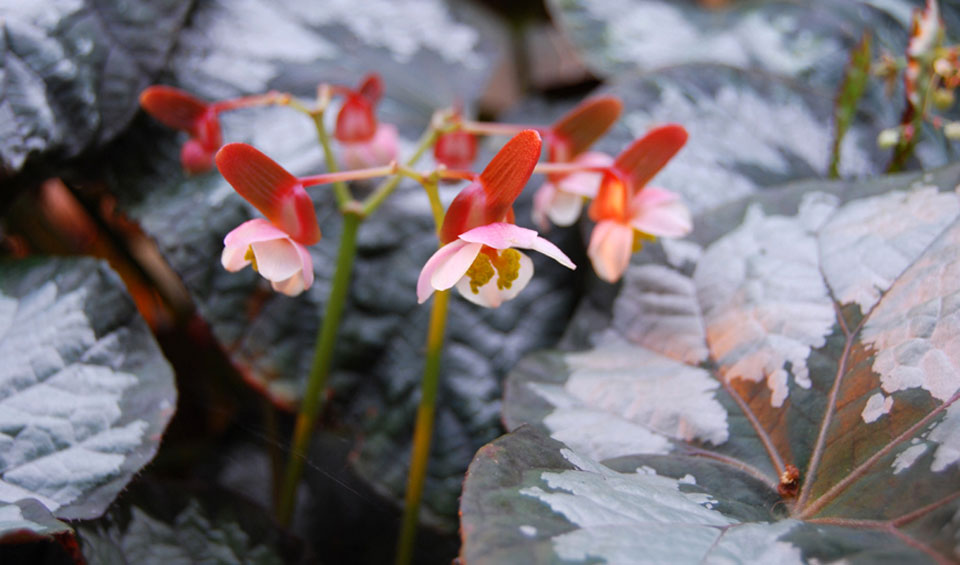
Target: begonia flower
627,211
478,234
275,247
364,142
560,199
176,109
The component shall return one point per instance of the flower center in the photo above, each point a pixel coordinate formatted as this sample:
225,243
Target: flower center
639,238
489,262
249,256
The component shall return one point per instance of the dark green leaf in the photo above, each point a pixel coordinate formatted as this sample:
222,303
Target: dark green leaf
172,525
85,393
72,71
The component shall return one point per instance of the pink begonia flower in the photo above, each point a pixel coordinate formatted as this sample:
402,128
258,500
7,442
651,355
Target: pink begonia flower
478,235
273,254
627,212
177,109
275,247
363,141
560,199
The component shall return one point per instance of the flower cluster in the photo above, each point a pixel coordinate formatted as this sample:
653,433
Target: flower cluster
479,239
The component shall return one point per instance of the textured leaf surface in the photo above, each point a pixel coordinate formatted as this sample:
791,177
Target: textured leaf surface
270,337
812,326
747,131
806,40
84,391
530,499
157,524
28,519
72,71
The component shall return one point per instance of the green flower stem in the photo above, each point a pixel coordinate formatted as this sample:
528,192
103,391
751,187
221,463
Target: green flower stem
423,430
340,188
430,184
326,339
374,201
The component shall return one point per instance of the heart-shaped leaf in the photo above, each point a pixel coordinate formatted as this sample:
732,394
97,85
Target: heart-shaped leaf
796,361
72,71
85,393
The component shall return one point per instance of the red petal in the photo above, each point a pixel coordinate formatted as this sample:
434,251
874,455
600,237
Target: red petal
271,189
355,122
371,88
173,107
456,150
466,212
195,158
644,158
509,171
579,128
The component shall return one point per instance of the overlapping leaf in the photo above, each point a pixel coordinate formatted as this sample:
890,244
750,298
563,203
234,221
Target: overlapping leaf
85,393
812,326
72,71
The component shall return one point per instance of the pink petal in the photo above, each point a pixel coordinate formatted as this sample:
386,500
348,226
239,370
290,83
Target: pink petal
307,262
292,286
424,288
542,200
660,212
379,151
252,231
277,259
501,235
451,270
234,258
611,245
565,208
489,296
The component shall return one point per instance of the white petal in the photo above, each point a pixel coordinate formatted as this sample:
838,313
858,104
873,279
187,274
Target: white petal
277,259
489,296
565,208
424,288
451,270
552,251
292,286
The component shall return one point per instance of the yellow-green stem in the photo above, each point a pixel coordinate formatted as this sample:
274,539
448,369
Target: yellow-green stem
423,430
340,189
323,355
374,201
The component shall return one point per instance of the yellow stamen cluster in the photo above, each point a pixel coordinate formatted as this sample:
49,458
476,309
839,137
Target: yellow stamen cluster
480,272
639,238
505,263
249,256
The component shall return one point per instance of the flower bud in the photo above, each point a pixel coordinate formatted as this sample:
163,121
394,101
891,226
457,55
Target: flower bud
456,150
888,138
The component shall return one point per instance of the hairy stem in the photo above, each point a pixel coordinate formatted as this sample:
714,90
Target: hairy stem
323,355
423,430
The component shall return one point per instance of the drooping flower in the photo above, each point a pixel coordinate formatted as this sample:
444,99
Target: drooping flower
455,149
478,234
272,253
627,211
176,109
275,247
364,142
560,199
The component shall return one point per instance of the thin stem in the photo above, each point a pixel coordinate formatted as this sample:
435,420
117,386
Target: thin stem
567,168
340,188
374,201
494,128
433,194
326,339
423,430
345,176
272,97
736,464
